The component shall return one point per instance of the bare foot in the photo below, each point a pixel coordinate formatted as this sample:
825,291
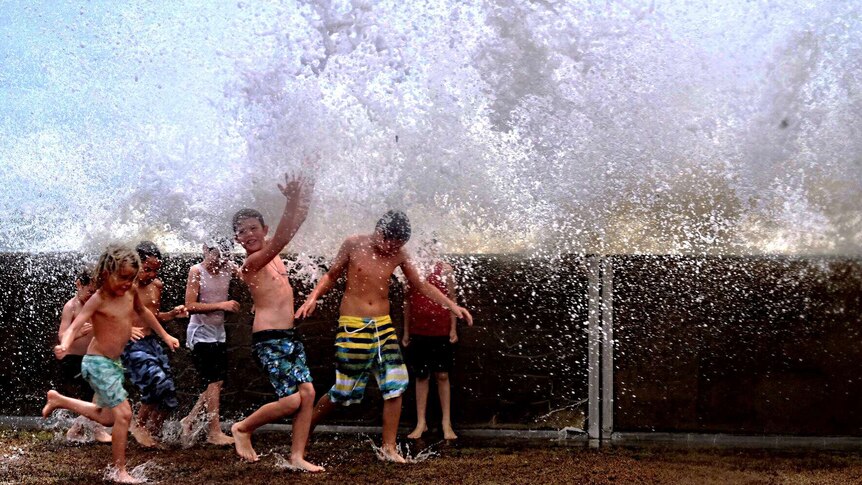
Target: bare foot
52,403
76,433
187,435
417,433
124,477
390,453
300,463
219,439
101,434
142,436
242,442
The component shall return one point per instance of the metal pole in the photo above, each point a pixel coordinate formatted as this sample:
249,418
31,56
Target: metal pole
607,375
594,347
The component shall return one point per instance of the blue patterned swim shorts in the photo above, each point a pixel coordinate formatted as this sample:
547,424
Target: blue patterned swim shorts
282,355
148,368
106,378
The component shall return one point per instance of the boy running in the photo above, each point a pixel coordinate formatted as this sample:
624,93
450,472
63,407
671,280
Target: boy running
111,311
207,301
366,342
274,341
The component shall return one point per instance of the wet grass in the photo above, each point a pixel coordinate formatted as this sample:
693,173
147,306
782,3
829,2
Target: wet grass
43,457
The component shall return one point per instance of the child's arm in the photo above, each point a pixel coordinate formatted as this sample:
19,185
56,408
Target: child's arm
450,288
149,319
66,320
327,281
193,288
405,339
157,304
75,327
431,291
297,190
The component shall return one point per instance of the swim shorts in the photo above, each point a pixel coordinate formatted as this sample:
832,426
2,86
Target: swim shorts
210,359
282,355
106,378
148,368
73,383
364,346
428,354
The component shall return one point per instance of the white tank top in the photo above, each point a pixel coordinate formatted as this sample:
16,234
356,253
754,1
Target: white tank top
209,327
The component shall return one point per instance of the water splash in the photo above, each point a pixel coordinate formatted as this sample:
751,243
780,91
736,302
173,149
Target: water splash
423,455
140,473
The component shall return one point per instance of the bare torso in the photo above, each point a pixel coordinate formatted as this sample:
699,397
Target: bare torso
151,297
112,324
272,294
368,273
81,344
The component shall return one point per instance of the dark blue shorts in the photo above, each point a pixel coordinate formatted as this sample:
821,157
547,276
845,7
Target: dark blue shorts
147,367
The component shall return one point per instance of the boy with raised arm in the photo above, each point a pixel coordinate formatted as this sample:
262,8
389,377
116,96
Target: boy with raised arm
111,311
145,359
366,342
207,301
274,341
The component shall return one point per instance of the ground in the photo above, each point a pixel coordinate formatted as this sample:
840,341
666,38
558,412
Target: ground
43,457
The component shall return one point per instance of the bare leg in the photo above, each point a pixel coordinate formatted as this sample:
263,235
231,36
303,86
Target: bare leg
215,435
122,416
157,420
267,413
444,391
391,417
421,405
302,428
188,422
139,427
321,410
84,408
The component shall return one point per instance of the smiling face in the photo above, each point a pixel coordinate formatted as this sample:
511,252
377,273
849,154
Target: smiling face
121,281
250,233
149,270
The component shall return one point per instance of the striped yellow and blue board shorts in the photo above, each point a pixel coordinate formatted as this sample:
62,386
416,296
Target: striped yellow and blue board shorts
363,346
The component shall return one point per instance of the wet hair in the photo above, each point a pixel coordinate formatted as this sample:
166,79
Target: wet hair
247,214
147,249
222,244
394,226
84,276
115,257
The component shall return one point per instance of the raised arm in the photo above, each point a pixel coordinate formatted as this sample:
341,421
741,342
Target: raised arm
327,281
193,288
297,190
77,323
431,291
150,320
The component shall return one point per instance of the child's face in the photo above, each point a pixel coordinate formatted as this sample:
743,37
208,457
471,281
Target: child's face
84,291
149,270
250,234
121,281
386,247
214,256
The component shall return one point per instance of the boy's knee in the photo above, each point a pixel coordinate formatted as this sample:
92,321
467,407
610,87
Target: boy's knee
306,392
122,414
442,376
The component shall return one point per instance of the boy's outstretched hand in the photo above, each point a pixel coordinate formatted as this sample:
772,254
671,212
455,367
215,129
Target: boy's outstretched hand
306,309
297,186
462,313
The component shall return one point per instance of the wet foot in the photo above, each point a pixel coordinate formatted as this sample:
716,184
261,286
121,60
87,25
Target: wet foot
390,453
300,464
187,434
448,433
219,439
52,403
76,433
124,477
242,442
143,436
101,434
417,433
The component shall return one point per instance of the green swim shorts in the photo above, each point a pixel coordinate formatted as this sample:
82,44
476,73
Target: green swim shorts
106,377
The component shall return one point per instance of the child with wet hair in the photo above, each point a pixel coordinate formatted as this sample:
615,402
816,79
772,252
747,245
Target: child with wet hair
366,343
207,301
111,311
275,344
70,365
145,359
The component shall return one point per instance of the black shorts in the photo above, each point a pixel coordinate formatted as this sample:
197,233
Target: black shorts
430,354
210,359
73,384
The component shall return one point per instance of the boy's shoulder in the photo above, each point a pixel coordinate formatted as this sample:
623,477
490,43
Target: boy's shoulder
356,240
158,283
72,303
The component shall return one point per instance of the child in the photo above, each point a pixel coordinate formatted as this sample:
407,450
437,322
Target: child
70,365
274,342
366,342
430,331
145,360
111,311
206,301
